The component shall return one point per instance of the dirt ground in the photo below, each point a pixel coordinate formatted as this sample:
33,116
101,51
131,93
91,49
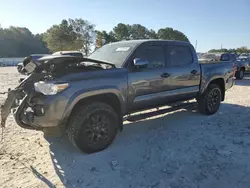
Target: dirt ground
179,149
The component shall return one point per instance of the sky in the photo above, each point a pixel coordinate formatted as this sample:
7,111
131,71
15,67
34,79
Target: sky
212,23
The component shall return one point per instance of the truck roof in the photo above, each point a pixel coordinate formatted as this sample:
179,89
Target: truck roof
151,40
65,52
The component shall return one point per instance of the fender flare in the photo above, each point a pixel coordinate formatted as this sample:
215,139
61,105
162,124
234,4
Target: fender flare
205,83
83,94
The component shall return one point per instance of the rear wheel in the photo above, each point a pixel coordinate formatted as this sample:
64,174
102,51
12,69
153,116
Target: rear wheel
240,74
93,127
209,102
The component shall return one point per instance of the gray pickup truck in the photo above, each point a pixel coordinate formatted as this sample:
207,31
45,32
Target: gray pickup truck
87,98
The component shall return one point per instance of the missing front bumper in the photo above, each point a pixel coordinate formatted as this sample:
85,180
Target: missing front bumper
13,101
8,105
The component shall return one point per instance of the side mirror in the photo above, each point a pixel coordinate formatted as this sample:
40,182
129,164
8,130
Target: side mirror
138,63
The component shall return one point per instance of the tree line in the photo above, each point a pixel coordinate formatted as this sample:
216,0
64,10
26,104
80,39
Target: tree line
20,42
76,34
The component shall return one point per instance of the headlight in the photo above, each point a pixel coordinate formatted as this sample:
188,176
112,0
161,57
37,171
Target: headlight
50,88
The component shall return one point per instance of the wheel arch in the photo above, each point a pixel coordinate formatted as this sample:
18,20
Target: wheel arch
110,97
221,83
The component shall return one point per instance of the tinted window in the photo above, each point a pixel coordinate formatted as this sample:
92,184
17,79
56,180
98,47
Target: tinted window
228,57
225,57
153,54
179,56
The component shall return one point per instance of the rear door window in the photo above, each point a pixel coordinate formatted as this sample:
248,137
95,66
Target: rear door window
179,56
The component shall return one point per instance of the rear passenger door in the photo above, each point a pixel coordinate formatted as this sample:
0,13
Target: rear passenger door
184,72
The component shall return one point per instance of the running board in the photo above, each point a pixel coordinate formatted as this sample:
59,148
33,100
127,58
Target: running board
159,111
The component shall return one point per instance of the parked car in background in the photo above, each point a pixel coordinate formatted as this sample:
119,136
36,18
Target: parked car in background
88,102
32,57
71,53
242,63
244,55
217,56
243,66
199,54
207,57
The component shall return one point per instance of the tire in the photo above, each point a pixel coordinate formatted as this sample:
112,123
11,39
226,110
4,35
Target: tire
208,105
87,124
240,74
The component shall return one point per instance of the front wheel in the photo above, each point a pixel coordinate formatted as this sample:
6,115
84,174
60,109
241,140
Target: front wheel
93,127
209,102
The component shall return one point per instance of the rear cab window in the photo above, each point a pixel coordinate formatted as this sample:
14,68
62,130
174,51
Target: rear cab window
225,57
228,57
179,56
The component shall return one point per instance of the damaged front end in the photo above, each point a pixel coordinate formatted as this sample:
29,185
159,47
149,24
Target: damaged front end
18,98
11,102
38,101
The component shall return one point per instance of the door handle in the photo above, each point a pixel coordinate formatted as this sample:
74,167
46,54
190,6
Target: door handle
165,75
194,72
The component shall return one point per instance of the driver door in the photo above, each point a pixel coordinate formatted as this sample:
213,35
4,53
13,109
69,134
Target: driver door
148,84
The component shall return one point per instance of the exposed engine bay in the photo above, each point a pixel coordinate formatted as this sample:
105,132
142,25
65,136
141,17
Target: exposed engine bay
39,82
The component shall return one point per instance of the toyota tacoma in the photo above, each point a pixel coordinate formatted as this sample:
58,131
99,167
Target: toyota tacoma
87,98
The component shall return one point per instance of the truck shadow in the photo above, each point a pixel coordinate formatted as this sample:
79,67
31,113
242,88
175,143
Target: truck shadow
155,141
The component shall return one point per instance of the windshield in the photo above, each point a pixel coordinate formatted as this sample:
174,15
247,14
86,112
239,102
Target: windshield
115,53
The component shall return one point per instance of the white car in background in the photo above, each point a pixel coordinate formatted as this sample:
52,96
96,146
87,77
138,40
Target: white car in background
208,57
244,56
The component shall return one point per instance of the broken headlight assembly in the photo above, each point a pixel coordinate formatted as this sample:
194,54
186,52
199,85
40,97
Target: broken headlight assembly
50,88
